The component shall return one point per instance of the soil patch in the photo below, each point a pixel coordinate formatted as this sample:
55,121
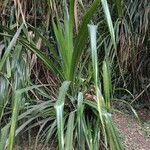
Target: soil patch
134,135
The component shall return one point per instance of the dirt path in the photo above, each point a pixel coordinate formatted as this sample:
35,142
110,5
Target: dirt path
133,135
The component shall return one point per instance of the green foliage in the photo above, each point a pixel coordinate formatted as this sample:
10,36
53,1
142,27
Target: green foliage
103,104
59,113
66,116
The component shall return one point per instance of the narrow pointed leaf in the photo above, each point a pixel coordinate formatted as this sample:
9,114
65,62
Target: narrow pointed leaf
69,133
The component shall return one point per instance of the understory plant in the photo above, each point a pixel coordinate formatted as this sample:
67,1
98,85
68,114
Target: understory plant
70,120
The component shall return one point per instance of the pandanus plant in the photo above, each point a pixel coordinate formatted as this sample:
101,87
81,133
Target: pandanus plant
88,125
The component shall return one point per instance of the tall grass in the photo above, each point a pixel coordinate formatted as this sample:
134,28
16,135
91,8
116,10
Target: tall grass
131,28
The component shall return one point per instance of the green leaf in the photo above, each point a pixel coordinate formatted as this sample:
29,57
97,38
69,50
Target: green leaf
81,38
80,108
113,137
10,46
3,137
69,132
119,6
15,111
109,21
106,85
46,60
17,97
59,113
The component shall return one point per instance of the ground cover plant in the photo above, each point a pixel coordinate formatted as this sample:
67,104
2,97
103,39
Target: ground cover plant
63,64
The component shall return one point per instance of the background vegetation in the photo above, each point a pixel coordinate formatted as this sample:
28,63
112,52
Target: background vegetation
63,64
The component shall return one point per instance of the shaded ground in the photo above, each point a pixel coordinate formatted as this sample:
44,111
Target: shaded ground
135,137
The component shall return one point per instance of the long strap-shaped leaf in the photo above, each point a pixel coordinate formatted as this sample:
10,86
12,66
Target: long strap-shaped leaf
69,132
46,60
109,21
15,111
59,113
99,96
17,97
80,108
110,135
106,84
64,37
81,38
3,137
10,46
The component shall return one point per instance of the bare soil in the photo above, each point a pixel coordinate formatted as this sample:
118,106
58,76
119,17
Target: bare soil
135,136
